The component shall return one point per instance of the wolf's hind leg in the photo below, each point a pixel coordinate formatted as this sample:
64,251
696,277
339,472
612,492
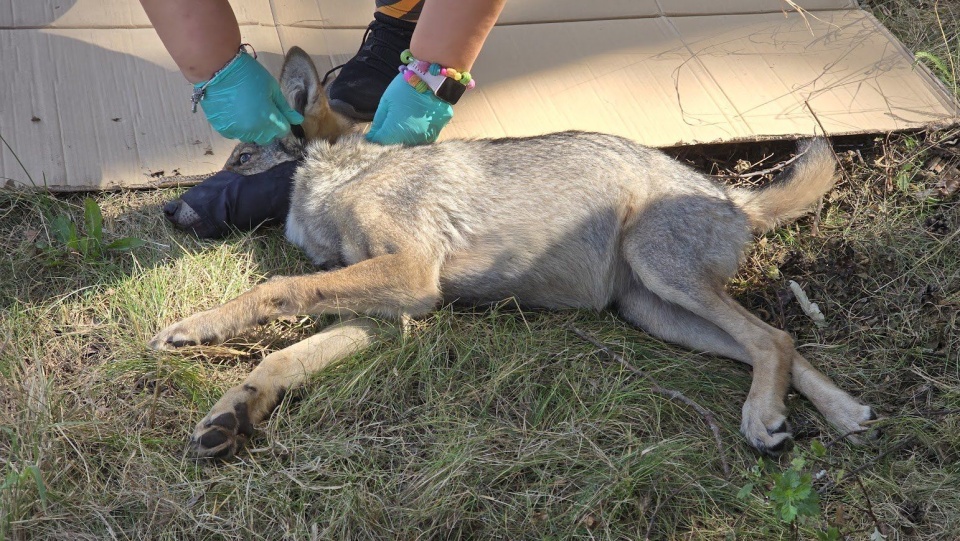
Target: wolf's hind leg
683,249
844,412
230,423
674,324
677,325
681,268
702,328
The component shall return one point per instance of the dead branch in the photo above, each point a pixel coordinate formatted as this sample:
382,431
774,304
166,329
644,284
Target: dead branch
653,515
707,415
775,169
876,521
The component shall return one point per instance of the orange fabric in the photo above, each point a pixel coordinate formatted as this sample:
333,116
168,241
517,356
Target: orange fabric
401,9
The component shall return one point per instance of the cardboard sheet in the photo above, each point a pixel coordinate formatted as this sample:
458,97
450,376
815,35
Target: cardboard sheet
92,100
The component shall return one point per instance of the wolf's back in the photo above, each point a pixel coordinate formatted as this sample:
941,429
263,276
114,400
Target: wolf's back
792,193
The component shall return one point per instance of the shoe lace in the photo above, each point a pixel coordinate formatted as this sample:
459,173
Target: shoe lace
374,40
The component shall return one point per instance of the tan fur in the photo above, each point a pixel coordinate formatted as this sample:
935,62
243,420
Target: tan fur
563,220
788,201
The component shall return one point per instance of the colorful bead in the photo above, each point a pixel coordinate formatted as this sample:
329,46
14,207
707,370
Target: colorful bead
411,66
413,80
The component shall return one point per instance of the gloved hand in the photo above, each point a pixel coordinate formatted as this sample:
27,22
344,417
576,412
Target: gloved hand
244,102
408,117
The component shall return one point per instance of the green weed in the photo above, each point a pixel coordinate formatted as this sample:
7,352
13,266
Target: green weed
86,243
940,67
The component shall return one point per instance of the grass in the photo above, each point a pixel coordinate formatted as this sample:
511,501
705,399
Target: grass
488,423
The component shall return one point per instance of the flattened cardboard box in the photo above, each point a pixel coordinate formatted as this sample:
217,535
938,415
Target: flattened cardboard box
91,99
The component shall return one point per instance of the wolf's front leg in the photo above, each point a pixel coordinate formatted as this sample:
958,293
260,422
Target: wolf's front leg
390,285
230,423
258,306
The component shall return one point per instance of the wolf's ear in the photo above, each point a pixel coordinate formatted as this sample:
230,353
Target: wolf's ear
300,84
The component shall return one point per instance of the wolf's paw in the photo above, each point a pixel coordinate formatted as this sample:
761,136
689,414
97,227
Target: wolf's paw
189,332
769,434
852,420
222,432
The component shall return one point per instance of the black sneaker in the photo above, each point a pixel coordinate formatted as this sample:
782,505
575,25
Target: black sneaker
230,201
362,80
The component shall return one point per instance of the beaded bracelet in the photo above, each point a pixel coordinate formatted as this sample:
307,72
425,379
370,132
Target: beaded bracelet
414,80
447,84
422,66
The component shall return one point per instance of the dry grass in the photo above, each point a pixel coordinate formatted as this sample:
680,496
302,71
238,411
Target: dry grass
491,423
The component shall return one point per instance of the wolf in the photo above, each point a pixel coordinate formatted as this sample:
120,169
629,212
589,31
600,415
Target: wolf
568,220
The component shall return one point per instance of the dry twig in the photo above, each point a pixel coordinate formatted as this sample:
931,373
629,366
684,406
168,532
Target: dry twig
876,521
775,169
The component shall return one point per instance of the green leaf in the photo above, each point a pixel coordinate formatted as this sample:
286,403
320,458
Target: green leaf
809,507
745,491
788,513
64,230
807,499
89,247
126,243
941,67
11,479
801,492
903,179
38,478
787,481
93,219
819,450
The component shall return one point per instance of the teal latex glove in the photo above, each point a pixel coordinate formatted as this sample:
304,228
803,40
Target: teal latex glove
408,117
244,102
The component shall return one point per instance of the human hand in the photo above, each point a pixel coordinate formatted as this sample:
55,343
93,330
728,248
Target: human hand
408,117
244,102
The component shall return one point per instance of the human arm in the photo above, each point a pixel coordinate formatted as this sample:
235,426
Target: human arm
200,36
450,33
239,97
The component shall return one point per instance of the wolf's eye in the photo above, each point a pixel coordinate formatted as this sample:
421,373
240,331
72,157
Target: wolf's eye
244,158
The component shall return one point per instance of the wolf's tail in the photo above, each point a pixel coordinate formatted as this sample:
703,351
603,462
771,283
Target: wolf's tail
794,191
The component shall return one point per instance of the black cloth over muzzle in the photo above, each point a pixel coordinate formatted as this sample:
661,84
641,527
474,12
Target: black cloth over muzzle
230,201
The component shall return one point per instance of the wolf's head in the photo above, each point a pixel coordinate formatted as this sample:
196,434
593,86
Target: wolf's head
300,84
254,185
